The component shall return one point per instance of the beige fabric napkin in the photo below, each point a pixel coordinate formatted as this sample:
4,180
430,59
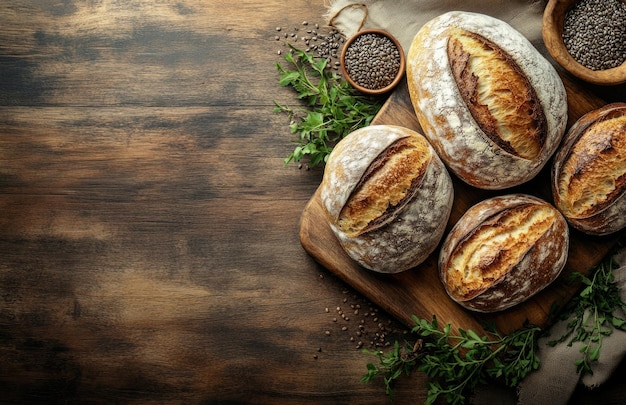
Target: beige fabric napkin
403,18
555,381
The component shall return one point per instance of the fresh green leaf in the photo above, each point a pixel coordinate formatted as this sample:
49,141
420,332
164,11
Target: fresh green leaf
456,364
330,110
591,315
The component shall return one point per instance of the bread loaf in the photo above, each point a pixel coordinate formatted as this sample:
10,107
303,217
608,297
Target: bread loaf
589,172
387,197
490,104
502,251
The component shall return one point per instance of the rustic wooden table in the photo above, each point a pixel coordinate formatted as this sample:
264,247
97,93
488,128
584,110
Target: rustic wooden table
149,247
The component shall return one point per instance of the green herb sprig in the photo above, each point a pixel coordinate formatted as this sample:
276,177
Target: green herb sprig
457,364
592,315
332,108
392,365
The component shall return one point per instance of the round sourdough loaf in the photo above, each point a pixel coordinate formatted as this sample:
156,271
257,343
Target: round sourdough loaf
589,172
502,251
490,104
387,196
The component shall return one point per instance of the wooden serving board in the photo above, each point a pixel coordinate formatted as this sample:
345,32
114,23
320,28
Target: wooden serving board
419,291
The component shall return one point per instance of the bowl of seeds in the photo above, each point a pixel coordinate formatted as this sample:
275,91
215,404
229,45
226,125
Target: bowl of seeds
372,61
588,38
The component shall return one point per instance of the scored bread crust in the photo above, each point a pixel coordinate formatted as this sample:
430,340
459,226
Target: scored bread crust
387,197
502,251
490,104
589,172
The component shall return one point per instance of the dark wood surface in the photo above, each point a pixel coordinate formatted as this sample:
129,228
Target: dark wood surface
149,248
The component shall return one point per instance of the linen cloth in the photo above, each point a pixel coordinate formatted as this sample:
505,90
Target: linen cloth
555,381
403,18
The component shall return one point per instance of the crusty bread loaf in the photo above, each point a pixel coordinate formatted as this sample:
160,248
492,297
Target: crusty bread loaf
502,251
387,196
490,104
589,172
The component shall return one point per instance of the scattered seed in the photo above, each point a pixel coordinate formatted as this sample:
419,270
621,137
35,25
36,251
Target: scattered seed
375,334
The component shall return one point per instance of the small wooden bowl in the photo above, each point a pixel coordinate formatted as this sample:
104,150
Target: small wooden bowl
357,86
552,31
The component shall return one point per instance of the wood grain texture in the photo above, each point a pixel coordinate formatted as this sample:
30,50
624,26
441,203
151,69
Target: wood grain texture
149,247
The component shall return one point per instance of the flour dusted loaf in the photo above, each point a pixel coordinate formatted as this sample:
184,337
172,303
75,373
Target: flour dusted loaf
387,197
502,251
589,172
490,104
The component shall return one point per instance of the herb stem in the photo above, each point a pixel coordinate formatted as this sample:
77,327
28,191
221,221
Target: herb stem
332,108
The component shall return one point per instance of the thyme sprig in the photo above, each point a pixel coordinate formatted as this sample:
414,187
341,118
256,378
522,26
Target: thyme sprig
331,109
457,364
392,365
591,315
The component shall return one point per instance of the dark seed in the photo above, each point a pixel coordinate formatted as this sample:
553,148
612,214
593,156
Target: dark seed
594,33
372,61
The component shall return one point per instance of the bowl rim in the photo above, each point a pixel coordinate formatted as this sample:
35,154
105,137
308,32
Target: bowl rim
552,32
360,88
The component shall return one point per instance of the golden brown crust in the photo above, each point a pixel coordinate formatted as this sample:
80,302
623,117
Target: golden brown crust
498,94
503,251
386,187
387,197
589,171
489,103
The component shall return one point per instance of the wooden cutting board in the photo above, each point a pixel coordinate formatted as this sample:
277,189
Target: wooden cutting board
418,291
